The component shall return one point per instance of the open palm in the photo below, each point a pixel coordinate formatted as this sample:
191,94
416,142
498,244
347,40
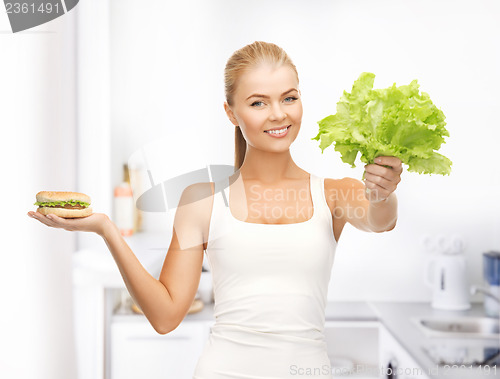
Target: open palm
93,223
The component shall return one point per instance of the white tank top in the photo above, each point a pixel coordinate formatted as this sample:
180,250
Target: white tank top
270,289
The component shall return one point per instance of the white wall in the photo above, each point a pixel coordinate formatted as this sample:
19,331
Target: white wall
37,118
167,64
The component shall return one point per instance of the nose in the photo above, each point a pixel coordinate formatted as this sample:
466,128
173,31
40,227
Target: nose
277,113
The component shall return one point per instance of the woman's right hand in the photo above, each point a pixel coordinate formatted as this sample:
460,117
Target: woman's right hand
96,222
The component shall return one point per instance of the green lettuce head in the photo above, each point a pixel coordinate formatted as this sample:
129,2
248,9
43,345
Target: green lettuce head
396,121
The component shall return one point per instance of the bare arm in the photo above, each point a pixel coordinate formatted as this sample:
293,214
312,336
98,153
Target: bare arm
382,216
371,206
165,301
181,271
149,293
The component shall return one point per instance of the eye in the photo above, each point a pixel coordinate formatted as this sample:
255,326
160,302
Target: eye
255,103
292,99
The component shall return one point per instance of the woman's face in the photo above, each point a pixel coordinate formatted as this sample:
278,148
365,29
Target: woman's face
267,98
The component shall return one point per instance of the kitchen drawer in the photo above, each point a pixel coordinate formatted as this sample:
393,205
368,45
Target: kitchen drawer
395,362
138,351
356,341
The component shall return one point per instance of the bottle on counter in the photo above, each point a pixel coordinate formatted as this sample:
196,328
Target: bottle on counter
136,184
124,205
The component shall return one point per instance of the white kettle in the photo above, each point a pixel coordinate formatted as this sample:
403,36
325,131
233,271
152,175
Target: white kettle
446,275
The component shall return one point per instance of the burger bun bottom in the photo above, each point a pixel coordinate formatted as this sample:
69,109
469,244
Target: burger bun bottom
65,212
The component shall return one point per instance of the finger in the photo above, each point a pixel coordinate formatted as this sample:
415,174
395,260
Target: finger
380,181
374,196
56,219
67,224
382,171
52,220
59,222
42,218
393,162
376,192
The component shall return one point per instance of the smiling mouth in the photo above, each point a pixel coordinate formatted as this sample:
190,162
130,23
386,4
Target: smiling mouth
278,131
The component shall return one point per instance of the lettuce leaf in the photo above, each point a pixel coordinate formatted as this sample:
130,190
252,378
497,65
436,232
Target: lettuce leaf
61,203
395,121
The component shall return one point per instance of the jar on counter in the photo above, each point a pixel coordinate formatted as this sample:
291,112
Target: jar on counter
124,206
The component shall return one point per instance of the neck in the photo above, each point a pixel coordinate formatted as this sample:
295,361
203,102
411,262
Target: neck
268,167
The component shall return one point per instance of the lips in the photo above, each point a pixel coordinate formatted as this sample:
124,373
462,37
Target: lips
278,128
278,135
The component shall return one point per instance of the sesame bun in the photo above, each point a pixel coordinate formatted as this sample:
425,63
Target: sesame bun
48,196
65,213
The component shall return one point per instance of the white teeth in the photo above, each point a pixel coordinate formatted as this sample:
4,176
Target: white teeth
281,131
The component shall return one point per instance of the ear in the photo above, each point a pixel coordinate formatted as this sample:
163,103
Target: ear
230,114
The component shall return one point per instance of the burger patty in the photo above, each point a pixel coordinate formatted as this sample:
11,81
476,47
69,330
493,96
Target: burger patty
69,206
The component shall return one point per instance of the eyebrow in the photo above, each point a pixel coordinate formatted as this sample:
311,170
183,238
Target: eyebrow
267,97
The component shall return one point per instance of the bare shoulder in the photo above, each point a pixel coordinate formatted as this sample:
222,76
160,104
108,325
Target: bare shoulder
346,182
197,199
341,193
342,189
197,193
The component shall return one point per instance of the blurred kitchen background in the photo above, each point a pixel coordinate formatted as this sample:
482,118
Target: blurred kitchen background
126,82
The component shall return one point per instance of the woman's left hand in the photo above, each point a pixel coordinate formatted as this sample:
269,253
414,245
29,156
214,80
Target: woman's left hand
382,178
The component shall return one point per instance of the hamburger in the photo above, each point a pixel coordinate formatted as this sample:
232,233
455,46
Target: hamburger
63,204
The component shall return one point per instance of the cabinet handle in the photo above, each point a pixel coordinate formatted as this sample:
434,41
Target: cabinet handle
392,369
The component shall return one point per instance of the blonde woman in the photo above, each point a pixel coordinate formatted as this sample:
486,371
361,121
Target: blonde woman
269,230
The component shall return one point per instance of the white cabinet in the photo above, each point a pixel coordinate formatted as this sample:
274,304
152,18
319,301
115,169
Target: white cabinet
395,362
353,348
372,349
138,351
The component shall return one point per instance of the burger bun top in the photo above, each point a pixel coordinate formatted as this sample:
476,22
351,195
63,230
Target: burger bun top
49,196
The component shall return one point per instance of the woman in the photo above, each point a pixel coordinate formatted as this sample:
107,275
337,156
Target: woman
270,232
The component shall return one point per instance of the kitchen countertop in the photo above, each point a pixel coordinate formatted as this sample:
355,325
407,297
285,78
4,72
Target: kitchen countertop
96,267
350,311
396,317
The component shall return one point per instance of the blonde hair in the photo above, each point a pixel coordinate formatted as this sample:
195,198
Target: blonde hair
241,61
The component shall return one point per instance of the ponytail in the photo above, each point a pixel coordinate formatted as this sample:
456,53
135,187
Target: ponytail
240,148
